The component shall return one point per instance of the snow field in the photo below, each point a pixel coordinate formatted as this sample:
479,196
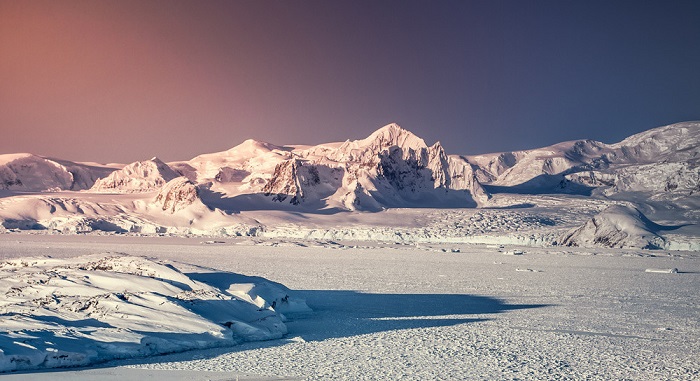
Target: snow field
388,311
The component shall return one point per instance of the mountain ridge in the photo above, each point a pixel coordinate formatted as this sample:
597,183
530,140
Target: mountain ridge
392,166
229,193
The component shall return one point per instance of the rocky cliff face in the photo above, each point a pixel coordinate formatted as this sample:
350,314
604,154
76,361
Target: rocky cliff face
141,176
177,195
392,167
286,182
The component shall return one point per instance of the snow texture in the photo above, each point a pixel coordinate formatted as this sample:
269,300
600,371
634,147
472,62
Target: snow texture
417,312
89,309
617,226
140,176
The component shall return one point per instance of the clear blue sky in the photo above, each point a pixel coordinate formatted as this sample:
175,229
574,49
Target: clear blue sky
127,80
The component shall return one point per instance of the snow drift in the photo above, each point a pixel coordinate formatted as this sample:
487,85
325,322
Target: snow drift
79,311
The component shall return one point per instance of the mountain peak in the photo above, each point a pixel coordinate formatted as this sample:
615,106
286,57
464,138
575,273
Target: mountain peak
392,135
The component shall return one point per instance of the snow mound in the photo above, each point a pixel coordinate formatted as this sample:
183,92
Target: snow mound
79,311
617,226
140,176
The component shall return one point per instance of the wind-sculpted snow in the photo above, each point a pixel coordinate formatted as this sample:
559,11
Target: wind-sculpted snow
173,213
75,312
438,311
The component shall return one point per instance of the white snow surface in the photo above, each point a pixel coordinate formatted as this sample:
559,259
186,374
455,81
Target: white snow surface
416,311
27,172
616,226
89,309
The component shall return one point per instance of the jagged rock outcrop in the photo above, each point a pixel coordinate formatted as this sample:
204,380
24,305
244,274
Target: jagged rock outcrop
141,176
285,182
177,195
392,167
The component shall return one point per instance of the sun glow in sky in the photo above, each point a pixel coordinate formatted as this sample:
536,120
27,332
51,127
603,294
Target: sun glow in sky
126,80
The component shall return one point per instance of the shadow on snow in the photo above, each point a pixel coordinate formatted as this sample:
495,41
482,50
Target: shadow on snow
350,313
336,314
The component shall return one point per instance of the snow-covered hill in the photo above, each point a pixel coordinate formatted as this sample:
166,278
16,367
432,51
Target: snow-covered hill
140,176
617,226
27,172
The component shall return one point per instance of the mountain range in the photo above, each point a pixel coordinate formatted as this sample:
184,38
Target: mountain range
391,168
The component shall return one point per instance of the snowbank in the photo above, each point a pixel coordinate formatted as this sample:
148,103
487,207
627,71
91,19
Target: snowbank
79,311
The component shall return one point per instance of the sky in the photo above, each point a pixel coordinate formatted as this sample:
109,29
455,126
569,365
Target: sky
126,80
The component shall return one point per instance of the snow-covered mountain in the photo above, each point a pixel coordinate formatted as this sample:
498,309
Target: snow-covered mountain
664,159
390,168
657,171
141,176
178,194
27,172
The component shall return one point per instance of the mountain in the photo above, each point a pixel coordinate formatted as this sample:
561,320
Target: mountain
390,168
556,189
661,160
27,172
140,176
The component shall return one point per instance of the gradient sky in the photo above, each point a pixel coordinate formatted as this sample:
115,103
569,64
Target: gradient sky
121,80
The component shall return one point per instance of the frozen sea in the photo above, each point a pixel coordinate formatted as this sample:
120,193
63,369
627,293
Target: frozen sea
428,312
